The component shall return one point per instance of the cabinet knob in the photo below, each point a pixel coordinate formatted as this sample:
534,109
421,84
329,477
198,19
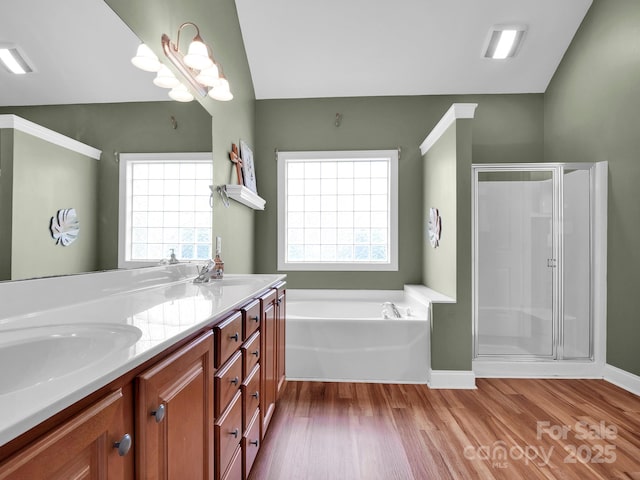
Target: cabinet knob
159,413
234,337
124,445
235,433
255,318
253,442
235,380
255,395
256,353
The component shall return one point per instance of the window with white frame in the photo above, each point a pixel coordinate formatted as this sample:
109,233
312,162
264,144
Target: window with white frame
164,207
337,210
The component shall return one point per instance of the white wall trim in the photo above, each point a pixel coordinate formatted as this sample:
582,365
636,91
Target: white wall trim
452,379
486,368
622,379
19,123
457,110
599,259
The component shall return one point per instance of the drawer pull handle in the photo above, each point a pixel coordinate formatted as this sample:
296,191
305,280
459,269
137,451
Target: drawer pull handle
235,380
124,445
159,413
253,442
234,433
255,395
255,318
234,337
256,353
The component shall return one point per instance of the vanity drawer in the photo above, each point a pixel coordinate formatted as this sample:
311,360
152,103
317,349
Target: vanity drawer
250,354
251,443
234,472
227,382
250,396
228,337
251,318
228,434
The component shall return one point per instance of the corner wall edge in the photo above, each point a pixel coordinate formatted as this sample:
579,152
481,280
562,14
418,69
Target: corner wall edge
456,111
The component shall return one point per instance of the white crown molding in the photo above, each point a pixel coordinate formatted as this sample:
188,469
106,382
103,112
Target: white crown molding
457,110
622,379
19,123
452,379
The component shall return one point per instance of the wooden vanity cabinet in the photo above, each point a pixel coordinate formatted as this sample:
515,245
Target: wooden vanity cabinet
281,314
236,357
268,339
179,425
174,414
228,337
84,447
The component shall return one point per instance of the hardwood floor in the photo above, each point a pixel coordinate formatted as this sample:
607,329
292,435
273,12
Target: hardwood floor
506,429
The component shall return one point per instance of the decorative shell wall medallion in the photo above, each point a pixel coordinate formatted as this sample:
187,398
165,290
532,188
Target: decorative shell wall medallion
435,227
65,226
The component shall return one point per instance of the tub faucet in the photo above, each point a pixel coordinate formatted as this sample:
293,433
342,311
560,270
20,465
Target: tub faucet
394,309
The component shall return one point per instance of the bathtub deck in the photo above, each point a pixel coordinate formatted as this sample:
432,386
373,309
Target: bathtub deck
347,431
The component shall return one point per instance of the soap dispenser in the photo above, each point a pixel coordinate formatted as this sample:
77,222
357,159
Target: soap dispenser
218,263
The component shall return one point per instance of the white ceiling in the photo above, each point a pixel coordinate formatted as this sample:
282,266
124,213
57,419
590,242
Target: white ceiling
333,48
298,48
81,51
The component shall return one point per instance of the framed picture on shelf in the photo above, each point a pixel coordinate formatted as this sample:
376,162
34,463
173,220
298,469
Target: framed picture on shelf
248,169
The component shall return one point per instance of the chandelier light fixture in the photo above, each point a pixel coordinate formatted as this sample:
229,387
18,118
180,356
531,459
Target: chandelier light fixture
202,73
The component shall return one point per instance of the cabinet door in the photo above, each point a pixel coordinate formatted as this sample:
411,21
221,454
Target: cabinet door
268,360
281,335
82,447
175,415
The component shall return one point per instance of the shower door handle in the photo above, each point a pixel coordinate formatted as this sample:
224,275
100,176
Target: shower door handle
551,263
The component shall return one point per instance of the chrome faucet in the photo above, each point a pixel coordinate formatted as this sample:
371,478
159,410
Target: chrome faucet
394,309
204,273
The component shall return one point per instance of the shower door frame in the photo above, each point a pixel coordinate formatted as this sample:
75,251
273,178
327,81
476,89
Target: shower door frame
557,171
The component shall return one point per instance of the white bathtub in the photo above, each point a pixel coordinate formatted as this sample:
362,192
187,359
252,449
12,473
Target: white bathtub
341,335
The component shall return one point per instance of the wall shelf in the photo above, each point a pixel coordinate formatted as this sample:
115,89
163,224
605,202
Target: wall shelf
242,194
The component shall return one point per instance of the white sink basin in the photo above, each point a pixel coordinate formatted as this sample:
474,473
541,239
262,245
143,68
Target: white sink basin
33,355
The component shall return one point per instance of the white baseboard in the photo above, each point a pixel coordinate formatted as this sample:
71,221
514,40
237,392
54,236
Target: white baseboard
622,378
537,369
452,379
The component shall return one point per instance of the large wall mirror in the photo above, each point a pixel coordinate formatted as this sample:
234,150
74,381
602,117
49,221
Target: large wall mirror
83,86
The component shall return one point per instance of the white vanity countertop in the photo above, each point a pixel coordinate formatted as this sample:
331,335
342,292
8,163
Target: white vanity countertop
152,317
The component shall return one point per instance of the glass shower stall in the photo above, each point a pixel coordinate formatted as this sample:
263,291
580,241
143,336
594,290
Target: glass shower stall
533,262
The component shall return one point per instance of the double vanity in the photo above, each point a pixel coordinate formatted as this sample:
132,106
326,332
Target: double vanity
138,374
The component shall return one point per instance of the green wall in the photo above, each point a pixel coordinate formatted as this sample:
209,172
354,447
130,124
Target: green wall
451,325
6,200
592,113
47,178
220,28
506,128
439,187
125,128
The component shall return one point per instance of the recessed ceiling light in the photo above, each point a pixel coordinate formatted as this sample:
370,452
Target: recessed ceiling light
504,41
13,60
